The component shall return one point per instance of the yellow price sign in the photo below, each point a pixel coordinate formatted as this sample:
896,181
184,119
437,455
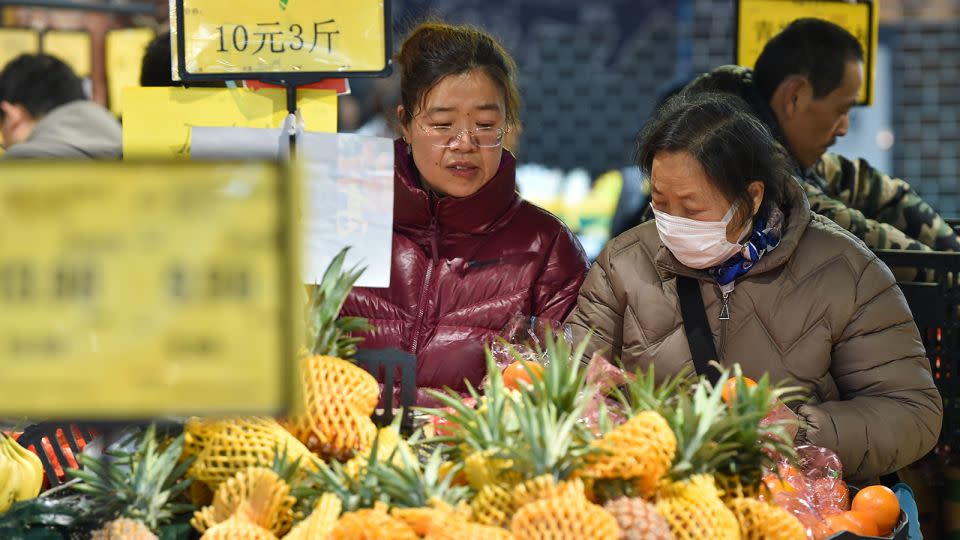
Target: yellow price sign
759,20
157,121
73,47
294,37
135,290
17,41
124,57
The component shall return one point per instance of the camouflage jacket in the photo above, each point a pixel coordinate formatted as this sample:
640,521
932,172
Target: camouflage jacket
879,209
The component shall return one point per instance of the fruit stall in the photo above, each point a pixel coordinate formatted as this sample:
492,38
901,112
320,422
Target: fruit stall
547,447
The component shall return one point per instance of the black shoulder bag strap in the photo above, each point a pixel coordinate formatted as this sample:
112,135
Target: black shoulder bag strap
701,340
697,329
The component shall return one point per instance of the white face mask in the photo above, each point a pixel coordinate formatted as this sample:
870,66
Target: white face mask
697,244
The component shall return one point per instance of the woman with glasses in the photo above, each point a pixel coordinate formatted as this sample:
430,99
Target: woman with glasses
468,252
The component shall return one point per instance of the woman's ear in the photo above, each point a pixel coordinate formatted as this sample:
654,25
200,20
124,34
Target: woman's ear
756,191
402,125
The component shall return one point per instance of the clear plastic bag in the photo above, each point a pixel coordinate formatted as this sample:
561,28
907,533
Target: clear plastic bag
812,490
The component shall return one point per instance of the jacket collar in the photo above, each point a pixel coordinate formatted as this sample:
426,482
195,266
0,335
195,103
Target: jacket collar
797,215
415,208
738,80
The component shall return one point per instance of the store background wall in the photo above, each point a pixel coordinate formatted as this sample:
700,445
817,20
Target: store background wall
590,73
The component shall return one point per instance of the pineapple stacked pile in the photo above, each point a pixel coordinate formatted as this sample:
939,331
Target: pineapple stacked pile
521,464
683,465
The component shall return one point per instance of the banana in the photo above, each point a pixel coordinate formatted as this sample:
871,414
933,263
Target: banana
9,480
33,477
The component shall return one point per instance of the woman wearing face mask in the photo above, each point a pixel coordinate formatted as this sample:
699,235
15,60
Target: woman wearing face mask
468,252
786,293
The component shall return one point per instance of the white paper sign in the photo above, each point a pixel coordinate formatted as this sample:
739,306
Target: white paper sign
348,191
234,143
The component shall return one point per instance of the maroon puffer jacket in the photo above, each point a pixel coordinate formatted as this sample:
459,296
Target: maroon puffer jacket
461,268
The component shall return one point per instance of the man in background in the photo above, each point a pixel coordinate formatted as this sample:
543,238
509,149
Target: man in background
44,113
805,82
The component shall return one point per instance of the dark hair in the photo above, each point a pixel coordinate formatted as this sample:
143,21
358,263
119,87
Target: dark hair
40,83
435,50
733,146
814,48
155,69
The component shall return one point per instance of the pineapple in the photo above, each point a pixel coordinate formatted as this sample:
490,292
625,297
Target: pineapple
136,490
237,528
258,494
479,436
640,450
567,515
760,520
689,500
320,522
441,521
633,457
638,520
124,529
339,397
441,524
224,447
388,440
693,510
493,505
371,524
541,487
755,444
517,445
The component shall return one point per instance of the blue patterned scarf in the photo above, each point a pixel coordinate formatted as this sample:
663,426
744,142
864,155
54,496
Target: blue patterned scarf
765,238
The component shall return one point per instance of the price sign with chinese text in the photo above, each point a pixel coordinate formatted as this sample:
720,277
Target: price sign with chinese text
136,290
219,39
760,20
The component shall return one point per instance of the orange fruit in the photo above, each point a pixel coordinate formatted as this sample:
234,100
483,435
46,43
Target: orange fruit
855,522
516,374
881,504
729,392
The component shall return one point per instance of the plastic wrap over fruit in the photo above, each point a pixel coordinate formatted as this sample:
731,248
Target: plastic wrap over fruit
522,338
782,412
811,490
824,474
601,380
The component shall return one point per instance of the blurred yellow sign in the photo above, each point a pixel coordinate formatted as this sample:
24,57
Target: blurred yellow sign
157,121
283,36
124,56
71,47
760,20
16,41
139,290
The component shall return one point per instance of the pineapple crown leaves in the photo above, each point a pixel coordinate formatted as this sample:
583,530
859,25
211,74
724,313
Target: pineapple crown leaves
409,484
712,436
641,392
549,440
139,485
45,513
286,468
489,426
703,428
361,491
328,334
758,442
563,381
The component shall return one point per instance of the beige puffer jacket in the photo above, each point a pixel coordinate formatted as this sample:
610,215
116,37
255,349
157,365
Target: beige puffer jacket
819,311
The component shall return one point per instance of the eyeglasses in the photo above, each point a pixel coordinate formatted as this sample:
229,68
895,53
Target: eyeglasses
445,136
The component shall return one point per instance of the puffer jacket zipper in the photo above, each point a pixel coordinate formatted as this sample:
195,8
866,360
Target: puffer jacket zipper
724,317
427,278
